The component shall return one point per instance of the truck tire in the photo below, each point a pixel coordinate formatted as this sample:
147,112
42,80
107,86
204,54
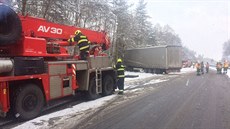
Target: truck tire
28,102
10,26
162,71
167,71
91,94
107,85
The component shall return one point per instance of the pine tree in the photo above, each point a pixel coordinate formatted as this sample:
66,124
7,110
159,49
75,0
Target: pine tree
226,50
143,27
120,9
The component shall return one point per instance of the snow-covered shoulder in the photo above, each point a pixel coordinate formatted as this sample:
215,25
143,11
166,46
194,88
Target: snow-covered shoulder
228,73
78,110
137,75
43,121
188,70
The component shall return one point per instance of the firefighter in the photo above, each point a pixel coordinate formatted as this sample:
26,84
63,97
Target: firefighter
226,64
198,68
207,67
216,67
120,68
82,42
219,67
202,67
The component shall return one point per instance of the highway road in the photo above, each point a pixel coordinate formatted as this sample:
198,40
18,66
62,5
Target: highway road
185,101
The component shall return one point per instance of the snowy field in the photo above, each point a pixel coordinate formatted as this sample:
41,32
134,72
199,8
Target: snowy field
44,122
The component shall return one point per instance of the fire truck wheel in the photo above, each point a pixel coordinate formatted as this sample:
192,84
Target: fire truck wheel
91,94
28,102
10,26
108,84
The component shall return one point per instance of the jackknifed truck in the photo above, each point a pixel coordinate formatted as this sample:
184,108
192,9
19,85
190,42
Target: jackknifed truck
157,59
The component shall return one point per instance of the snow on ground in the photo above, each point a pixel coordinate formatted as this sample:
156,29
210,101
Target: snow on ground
42,122
154,81
129,82
213,68
140,75
228,74
138,89
187,70
78,110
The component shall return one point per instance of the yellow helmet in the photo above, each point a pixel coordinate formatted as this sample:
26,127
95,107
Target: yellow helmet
77,32
119,60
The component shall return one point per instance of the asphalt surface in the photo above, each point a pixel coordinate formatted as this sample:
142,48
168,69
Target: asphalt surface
184,101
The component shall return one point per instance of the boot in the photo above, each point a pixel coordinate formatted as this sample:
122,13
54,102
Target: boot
121,92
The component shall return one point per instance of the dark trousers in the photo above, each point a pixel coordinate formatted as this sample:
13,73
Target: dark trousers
120,83
84,55
225,69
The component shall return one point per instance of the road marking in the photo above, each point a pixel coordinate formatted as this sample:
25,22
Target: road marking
187,82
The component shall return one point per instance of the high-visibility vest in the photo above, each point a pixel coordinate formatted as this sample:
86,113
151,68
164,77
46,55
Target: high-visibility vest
82,41
226,64
198,66
120,70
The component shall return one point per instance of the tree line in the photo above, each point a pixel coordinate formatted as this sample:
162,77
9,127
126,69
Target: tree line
127,26
226,50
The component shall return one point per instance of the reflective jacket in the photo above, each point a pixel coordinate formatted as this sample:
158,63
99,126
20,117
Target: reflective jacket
120,70
82,42
218,65
225,64
198,66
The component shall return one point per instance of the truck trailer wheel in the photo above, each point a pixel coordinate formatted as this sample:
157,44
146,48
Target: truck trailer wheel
91,94
10,26
28,102
108,84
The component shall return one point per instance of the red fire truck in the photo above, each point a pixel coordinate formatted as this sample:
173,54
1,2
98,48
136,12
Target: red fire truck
36,65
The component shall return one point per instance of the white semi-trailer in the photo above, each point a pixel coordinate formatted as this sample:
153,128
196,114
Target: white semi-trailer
158,59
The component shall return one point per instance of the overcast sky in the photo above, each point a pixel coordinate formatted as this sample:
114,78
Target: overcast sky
203,25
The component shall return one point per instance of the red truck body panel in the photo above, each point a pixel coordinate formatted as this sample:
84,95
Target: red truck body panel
37,35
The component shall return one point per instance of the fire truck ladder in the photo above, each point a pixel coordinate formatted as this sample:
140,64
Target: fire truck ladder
98,81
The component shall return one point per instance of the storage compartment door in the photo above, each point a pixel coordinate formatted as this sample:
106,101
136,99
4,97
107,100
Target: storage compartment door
55,87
